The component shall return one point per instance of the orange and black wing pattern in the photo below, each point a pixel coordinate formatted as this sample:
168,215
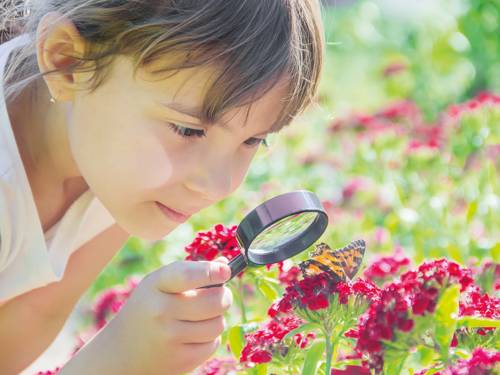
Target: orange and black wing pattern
340,264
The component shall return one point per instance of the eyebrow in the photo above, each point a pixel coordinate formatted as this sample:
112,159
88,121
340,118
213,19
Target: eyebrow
195,116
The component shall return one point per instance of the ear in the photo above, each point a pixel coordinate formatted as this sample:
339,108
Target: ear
58,42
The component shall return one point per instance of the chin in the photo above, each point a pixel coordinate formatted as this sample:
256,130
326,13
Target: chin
149,233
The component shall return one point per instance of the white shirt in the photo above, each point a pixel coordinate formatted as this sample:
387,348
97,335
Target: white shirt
30,258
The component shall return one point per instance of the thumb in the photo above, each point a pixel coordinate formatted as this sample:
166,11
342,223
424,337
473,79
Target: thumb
221,259
181,276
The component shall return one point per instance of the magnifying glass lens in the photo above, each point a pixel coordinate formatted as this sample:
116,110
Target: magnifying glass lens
284,231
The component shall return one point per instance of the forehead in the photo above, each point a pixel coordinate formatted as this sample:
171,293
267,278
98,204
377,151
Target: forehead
187,89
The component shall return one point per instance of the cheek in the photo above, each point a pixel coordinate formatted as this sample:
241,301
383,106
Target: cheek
119,152
240,169
152,163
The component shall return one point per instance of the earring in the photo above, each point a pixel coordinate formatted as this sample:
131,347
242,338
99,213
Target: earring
52,100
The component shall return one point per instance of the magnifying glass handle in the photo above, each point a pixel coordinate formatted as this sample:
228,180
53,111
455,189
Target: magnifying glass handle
237,265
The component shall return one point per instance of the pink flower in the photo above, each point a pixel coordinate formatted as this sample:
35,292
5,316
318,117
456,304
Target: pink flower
484,98
218,366
111,301
49,372
351,370
394,68
386,267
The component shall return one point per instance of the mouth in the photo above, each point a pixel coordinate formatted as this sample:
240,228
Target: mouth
172,214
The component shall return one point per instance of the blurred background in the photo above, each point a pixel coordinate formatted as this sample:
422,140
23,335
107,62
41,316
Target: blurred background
402,146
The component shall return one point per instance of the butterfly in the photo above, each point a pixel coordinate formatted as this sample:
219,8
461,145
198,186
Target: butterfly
340,264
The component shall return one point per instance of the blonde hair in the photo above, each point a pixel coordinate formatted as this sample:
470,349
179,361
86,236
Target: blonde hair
254,43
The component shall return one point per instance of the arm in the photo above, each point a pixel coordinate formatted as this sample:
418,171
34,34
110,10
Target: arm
30,322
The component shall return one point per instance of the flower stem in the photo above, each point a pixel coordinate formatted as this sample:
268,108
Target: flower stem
241,301
329,353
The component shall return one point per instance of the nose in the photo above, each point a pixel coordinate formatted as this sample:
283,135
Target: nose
212,179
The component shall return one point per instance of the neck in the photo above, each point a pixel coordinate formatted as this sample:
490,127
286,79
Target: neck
42,137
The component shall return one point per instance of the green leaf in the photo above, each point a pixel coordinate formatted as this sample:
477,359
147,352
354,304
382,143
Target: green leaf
261,369
446,318
471,210
302,328
314,354
495,252
474,322
266,289
394,365
236,341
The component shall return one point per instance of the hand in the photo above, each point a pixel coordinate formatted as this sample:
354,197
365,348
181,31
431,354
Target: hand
167,326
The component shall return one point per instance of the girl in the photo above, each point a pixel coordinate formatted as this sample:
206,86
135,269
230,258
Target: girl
126,117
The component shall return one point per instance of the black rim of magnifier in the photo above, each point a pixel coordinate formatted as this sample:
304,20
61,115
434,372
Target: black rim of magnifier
267,214
277,209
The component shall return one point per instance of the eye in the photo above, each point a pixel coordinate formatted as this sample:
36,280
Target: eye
252,142
187,132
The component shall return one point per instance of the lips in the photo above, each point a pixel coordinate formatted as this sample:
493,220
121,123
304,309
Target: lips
173,214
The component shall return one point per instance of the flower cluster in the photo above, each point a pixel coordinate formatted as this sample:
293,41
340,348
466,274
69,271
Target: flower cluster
404,117
219,241
218,366
474,303
385,268
310,293
314,293
488,275
481,99
288,273
110,302
481,362
266,342
416,293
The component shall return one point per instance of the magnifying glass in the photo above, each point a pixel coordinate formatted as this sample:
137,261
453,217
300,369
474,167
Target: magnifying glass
278,229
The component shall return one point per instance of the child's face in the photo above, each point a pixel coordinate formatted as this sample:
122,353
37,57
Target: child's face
132,158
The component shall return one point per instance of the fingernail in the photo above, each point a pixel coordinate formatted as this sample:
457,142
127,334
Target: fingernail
221,271
222,259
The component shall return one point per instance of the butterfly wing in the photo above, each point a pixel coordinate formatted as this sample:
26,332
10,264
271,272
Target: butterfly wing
351,257
339,264
320,249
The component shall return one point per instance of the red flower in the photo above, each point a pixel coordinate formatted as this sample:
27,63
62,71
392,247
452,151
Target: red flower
263,343
288,276
352,333
313,293
220,241
482,362
415,293
386,267
260,356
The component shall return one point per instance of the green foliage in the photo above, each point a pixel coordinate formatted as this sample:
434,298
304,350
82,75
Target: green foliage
446,318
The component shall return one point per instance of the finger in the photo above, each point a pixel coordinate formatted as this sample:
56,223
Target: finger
202,304
221,259
181,276
199,353
198,332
